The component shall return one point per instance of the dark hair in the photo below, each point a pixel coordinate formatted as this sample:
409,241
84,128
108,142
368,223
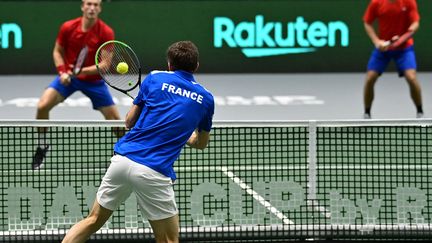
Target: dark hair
183,55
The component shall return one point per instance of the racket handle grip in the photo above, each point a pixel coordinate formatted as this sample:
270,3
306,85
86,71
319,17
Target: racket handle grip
387,43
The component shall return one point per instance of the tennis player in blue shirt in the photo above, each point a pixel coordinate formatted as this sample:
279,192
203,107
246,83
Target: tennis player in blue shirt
171,110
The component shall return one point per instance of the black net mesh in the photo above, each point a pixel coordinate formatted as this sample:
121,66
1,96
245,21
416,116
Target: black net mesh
251,183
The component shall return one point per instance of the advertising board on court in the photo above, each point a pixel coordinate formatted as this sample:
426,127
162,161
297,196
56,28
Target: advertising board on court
233,36
409,204
10,31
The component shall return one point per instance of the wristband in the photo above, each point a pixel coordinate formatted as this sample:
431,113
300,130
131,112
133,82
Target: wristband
61,69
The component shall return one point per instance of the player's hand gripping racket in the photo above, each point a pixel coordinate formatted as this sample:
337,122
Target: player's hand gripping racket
119,66
394,43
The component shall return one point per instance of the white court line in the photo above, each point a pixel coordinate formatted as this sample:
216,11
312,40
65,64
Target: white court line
256,196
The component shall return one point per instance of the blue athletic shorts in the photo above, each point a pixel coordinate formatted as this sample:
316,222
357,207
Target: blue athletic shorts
97,92
405,59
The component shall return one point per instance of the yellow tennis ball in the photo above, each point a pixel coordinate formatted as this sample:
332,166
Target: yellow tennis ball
122,68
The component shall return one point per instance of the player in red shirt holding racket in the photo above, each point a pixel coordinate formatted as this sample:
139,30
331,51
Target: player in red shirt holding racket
397,20
86,32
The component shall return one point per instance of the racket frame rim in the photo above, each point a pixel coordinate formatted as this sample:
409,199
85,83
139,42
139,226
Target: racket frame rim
74,74
136,57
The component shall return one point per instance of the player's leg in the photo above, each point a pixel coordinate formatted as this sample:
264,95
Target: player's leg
369,92
47,101
110,112
415,90
81,231
156,199
407,65
52,96
166,230
113,190
378,62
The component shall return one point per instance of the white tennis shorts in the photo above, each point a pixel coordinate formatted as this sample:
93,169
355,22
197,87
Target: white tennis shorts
154,191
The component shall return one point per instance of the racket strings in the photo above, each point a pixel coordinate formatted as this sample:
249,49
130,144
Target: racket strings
109,57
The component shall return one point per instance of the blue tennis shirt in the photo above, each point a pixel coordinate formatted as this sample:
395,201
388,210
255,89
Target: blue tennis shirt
173,106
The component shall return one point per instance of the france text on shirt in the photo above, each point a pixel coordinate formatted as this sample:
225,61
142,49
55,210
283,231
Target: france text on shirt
182,92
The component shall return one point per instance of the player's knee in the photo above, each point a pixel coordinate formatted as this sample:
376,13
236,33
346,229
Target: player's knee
110,113
411,77
46,103
370,81
372,78
43,106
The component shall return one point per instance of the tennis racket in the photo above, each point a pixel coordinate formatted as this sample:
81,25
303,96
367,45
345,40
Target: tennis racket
399,41
79,62
108,59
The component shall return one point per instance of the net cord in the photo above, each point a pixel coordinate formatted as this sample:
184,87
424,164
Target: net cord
223,123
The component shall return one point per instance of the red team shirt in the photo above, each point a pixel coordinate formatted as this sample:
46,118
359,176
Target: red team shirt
394,18
73,39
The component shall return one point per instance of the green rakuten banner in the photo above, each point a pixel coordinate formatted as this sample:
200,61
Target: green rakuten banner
233,36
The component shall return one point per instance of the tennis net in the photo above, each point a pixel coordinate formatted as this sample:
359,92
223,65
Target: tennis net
256,180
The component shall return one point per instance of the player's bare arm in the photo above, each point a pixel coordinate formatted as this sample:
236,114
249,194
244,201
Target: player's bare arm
199,139
414,26
64,71
89,70
370,31
132,116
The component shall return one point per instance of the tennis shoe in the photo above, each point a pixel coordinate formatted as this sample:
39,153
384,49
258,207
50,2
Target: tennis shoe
367,116
420,115
39,157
